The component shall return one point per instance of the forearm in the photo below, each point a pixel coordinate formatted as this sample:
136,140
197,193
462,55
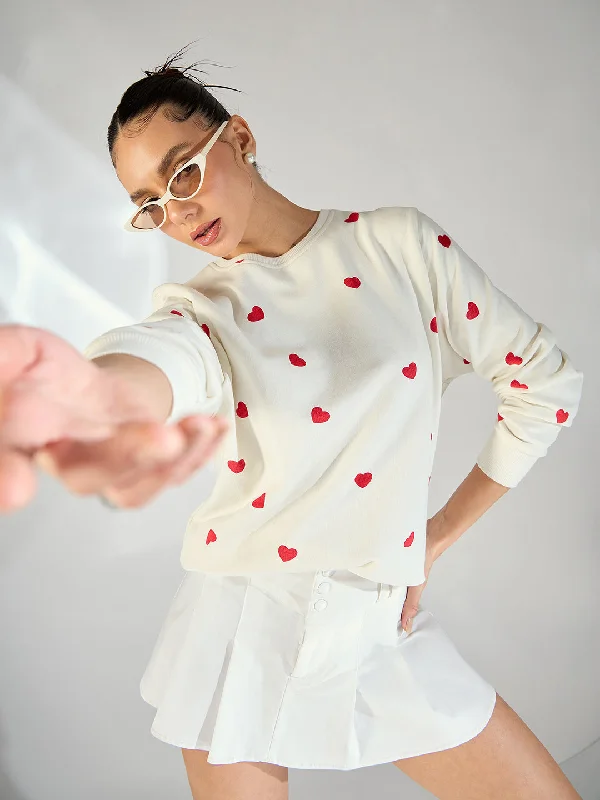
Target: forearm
475,495
146,379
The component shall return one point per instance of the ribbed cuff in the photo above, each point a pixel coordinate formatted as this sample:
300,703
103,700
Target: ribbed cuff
505,460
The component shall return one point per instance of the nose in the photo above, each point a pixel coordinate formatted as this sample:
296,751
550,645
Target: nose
181,212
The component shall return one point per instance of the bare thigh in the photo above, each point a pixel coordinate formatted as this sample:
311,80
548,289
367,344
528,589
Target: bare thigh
243,781
505,760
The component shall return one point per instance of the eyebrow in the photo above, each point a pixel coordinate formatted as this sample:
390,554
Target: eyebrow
163,166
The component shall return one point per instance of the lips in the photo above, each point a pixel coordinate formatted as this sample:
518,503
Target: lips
202,229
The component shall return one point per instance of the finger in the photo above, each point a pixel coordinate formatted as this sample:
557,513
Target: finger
18,481
205,437
142,492
138,489
138,486
411,606
198,437
86,468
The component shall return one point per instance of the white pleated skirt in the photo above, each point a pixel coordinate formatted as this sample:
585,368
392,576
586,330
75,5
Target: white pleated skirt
308,671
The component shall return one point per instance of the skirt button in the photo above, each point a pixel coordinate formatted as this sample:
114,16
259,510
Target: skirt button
327,572
320,605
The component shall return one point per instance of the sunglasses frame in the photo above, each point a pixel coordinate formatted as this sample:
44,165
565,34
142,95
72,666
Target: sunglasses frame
200,160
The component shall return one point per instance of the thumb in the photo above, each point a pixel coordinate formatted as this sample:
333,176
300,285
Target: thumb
411,606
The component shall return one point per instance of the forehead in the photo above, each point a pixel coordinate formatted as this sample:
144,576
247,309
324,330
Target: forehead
141,145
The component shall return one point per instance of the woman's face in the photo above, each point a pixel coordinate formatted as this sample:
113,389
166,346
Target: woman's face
227,189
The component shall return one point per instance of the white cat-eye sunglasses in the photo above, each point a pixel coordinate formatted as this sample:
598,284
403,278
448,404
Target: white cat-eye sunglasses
183,185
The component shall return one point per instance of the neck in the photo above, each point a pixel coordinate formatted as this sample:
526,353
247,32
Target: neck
274,226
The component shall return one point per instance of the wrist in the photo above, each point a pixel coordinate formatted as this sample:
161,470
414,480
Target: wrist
136,386
440,533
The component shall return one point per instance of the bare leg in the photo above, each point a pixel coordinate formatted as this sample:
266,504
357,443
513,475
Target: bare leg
243,781
505,760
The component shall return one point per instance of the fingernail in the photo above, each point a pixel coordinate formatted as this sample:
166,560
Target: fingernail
46,462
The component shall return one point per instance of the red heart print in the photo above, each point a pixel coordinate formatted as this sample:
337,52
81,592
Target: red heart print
260,501
562,415
465,361
517,385
211,537
205,328
410,371
352,283
363,479
500,418
287,553
236,466
410,540
444,240
242,409
240,261
352,218
511,358
296,360
473,311
433,325
256,314
318,415
179,314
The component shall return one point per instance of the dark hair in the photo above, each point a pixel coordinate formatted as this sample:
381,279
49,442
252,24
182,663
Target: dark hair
184,95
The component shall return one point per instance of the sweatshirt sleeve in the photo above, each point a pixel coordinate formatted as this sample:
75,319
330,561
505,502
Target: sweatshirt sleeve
484,330
172,340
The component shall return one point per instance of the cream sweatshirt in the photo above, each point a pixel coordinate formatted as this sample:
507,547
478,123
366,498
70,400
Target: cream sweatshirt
330,362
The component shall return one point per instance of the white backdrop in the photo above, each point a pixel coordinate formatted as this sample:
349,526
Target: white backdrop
483,115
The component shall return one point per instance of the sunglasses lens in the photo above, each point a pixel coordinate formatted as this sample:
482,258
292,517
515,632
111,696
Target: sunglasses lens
184,184
150,216
186,181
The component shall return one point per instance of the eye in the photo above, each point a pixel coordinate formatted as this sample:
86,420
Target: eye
185,173
178,164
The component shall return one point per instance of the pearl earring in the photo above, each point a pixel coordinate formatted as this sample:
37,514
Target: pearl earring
250,158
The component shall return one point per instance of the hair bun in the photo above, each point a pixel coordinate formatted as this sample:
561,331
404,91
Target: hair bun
164,70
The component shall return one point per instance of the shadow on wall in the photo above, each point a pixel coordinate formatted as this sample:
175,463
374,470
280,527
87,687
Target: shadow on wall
8,790
66,264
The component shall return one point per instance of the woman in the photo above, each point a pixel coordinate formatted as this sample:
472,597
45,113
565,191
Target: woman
315,348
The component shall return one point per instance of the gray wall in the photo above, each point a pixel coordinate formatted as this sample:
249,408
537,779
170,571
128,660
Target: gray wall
483,115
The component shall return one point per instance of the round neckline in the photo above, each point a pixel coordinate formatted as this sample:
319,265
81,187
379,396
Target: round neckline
325,216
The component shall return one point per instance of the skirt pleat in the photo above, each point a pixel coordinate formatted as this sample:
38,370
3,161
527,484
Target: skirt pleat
309,671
